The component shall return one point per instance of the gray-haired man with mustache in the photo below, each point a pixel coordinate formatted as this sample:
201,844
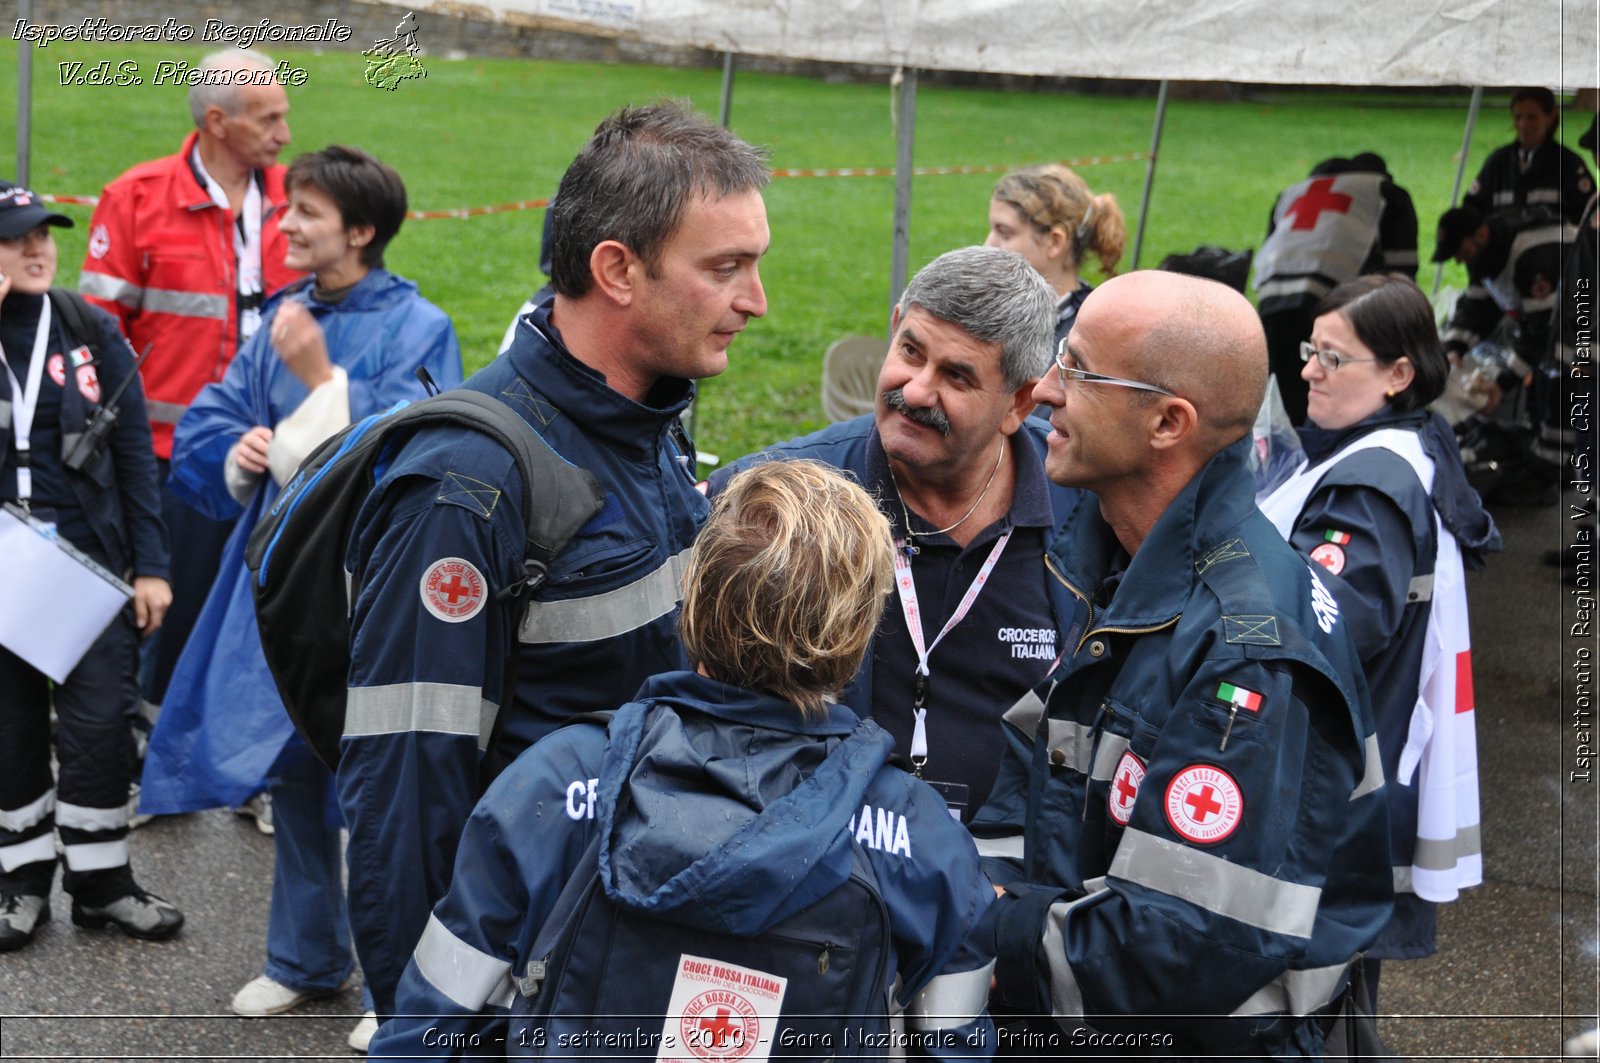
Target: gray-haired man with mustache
959,468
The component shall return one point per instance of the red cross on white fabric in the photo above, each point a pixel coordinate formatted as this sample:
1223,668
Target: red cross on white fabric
1317,198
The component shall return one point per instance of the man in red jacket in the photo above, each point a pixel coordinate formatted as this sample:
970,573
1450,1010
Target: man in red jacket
182,250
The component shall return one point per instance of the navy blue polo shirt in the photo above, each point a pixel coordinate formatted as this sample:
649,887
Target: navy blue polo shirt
1000,650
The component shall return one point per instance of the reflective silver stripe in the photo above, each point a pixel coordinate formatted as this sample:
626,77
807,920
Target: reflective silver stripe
1009,847
1108,756
1293,286
1074,742
112,289
96,857
1543,195
29,815
1295,992
1402,880
1399,258
468,976
951,1000
1217,885
81,817
1066,996
1372,778
1420,589
165,412
186,304
1442,854
31,851
442,708
607,615
1026,713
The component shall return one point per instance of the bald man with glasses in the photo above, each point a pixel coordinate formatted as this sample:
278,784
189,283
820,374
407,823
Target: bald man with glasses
1188,835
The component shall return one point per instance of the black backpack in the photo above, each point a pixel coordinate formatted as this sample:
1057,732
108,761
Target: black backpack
297,552
601,980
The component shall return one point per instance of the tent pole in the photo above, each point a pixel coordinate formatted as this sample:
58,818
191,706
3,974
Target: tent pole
727,89
905,139
1461,169
24,99
1150,170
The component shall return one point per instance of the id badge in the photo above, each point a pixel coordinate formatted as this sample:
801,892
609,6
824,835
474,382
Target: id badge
955,794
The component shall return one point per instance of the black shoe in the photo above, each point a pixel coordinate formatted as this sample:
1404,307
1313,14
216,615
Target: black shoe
21,916
137,914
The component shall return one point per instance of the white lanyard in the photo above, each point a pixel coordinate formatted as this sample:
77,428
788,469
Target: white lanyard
24,400
246,244
908,605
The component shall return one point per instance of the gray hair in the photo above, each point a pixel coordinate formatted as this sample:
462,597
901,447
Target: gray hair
633,181
994,296
208,92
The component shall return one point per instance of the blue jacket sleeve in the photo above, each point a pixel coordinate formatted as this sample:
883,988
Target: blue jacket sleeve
428,659
515,856
132,452
1364,545
218,416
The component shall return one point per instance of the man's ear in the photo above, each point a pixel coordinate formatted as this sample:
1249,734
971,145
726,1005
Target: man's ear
1022,404
1171,421
214,122
616,270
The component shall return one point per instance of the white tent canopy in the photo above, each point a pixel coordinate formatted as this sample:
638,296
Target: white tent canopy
1365,42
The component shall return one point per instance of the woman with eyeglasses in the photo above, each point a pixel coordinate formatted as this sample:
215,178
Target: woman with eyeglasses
1382,509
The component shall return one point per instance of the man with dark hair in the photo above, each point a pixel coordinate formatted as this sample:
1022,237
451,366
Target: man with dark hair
659,230
960,466
182,251
1346,219
1535,170
1188,833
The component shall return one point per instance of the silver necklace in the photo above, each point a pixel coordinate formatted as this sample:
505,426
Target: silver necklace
911,547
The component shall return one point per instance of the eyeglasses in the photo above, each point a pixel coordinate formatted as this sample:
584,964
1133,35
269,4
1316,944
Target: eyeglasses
1070,372
1329,360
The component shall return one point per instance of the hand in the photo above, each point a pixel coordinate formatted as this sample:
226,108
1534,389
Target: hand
151,597
298,339
250,453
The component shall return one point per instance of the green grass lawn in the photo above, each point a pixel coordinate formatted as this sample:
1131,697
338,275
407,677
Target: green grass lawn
487,131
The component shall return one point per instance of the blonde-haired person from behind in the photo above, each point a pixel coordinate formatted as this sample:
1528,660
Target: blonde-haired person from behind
727,801
1049,216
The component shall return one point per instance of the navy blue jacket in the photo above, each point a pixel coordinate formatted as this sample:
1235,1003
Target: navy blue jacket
117,495
1556,179
1190,819
717,807
440,536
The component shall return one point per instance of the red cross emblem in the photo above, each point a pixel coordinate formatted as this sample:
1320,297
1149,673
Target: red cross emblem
720,1024
453,590
1124,788
720,1027
1204,804
1317,198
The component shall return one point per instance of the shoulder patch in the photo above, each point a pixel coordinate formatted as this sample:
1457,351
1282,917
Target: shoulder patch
1330,556
520,396
1231,550
1252,630
453,590
1124,788
1204,804
99,241
462,490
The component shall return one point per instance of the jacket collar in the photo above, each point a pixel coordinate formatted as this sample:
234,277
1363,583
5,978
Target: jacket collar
541,357
739,705
189,191
1154,584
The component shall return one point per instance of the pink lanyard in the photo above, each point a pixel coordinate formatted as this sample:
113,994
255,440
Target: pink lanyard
907,588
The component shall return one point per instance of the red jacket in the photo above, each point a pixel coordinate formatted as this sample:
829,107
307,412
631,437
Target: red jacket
161,260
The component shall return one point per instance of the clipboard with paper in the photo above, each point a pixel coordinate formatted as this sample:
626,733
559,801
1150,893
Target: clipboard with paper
57,600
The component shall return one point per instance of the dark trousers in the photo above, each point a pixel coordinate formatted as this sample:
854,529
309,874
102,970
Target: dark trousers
87,804
1285,330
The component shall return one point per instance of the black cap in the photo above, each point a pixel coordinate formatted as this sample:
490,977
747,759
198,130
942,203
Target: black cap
21,212
1455,225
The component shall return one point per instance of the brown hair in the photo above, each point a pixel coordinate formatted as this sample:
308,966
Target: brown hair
1052,195
786,583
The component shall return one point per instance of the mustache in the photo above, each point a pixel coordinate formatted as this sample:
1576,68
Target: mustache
895,399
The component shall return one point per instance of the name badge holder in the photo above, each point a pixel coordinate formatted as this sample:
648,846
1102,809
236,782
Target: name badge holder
58,600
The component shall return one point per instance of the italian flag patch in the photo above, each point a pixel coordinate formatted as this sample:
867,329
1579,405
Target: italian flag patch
1332,536
1239,697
